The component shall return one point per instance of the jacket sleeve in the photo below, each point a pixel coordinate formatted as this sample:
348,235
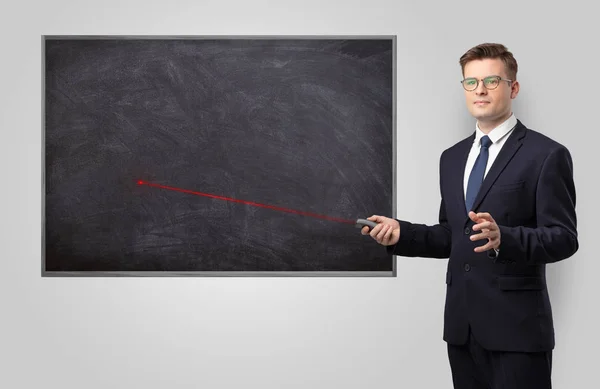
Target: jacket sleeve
555,237
420,240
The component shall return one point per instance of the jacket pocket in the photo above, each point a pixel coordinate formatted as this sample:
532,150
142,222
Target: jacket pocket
508,187
521,283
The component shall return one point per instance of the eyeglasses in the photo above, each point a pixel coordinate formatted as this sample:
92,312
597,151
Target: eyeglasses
491,82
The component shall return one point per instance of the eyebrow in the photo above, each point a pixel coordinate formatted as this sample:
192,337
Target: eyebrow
491,75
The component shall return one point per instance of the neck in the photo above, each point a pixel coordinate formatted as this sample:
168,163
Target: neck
487,126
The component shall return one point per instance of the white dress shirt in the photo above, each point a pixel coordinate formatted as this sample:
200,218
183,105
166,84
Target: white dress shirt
498,137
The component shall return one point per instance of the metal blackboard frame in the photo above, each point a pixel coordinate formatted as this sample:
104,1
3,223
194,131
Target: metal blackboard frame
46,273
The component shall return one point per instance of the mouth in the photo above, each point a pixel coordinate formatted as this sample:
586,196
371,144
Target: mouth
481,102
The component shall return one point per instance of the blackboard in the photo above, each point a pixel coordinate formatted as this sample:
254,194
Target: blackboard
216,155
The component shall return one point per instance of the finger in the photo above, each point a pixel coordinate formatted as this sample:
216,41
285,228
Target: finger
365,230
379,234
376,218
388,235
382,233
485,247
481,235
482,226
473,216
375,230
485,216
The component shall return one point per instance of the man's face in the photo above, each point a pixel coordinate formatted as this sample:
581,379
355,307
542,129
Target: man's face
489,107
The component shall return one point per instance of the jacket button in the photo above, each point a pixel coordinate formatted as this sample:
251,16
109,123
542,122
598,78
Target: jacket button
467,231
467,267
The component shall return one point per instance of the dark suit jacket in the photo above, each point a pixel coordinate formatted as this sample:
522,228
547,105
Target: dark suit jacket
529,191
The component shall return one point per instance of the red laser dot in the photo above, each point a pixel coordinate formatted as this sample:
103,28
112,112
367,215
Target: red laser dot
140,182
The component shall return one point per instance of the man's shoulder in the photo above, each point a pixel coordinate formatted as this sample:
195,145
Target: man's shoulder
535,140
459,147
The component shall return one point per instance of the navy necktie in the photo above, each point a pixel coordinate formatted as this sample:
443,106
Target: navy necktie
478,172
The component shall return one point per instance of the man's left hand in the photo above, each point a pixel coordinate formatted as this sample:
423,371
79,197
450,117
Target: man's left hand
489,230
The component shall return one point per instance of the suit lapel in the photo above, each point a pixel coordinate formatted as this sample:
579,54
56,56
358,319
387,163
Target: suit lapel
513,143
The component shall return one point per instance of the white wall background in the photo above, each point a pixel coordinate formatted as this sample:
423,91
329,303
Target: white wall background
293,332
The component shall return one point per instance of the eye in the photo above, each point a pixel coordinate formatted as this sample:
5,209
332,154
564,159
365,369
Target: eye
491,81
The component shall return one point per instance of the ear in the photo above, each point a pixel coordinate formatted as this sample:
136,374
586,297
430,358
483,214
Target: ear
514,89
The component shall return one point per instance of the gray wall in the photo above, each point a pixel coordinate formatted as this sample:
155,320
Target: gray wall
293,332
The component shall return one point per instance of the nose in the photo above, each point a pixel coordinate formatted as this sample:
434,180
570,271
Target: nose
480,90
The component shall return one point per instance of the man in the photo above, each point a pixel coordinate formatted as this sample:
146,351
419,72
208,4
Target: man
507,210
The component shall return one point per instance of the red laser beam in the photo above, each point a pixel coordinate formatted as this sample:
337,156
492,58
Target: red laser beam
273,207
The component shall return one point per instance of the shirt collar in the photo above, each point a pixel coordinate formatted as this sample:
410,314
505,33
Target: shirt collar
499,132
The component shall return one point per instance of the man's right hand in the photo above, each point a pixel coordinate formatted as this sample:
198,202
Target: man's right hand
386,232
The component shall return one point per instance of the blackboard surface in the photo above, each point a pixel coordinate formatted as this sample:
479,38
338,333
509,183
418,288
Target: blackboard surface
286,135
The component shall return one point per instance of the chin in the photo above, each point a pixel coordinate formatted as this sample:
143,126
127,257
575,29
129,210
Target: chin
483,112
483,116
480,115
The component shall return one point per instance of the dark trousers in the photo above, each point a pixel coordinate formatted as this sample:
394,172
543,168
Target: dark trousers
474,367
